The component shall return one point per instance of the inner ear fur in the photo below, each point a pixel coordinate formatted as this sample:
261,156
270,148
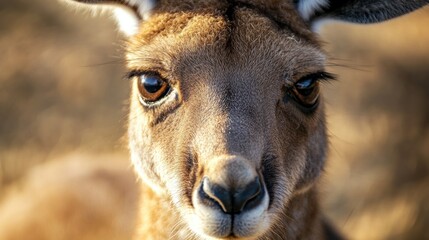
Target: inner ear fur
119,3
128,13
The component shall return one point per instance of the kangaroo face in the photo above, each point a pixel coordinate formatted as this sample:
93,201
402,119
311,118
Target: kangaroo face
236,126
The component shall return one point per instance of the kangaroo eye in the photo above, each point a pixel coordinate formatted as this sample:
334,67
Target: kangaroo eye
152,87
306,91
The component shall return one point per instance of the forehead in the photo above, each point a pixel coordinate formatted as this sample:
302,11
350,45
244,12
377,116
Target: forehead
221,35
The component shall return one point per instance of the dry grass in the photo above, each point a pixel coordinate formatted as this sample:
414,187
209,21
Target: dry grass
72,198
61,92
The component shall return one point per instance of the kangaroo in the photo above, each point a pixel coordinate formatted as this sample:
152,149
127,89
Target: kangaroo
226,125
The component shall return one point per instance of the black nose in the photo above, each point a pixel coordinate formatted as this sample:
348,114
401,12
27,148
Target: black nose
233,200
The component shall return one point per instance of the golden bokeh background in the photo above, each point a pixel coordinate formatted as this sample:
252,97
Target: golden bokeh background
64,168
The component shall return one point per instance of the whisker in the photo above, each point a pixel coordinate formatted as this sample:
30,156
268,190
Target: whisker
113,62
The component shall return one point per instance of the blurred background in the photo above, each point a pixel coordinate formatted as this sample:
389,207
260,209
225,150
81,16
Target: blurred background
63,107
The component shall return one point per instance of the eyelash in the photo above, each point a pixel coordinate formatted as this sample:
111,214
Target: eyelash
320,76
136,73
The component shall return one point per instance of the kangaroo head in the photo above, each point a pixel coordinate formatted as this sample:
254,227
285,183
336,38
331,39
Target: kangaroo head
217,119
226,116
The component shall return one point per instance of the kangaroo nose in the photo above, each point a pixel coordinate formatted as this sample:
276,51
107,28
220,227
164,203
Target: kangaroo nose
233,200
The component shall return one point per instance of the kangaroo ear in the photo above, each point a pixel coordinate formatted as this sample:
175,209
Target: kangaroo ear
357,11
128,13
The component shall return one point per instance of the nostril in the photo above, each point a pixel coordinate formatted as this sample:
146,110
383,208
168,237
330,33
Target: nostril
242,196
219,194
235,200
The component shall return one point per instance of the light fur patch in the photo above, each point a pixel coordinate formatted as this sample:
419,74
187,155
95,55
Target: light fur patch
308,7
128,21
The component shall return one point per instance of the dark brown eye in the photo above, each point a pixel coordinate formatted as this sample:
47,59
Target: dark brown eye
152,87
306,91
